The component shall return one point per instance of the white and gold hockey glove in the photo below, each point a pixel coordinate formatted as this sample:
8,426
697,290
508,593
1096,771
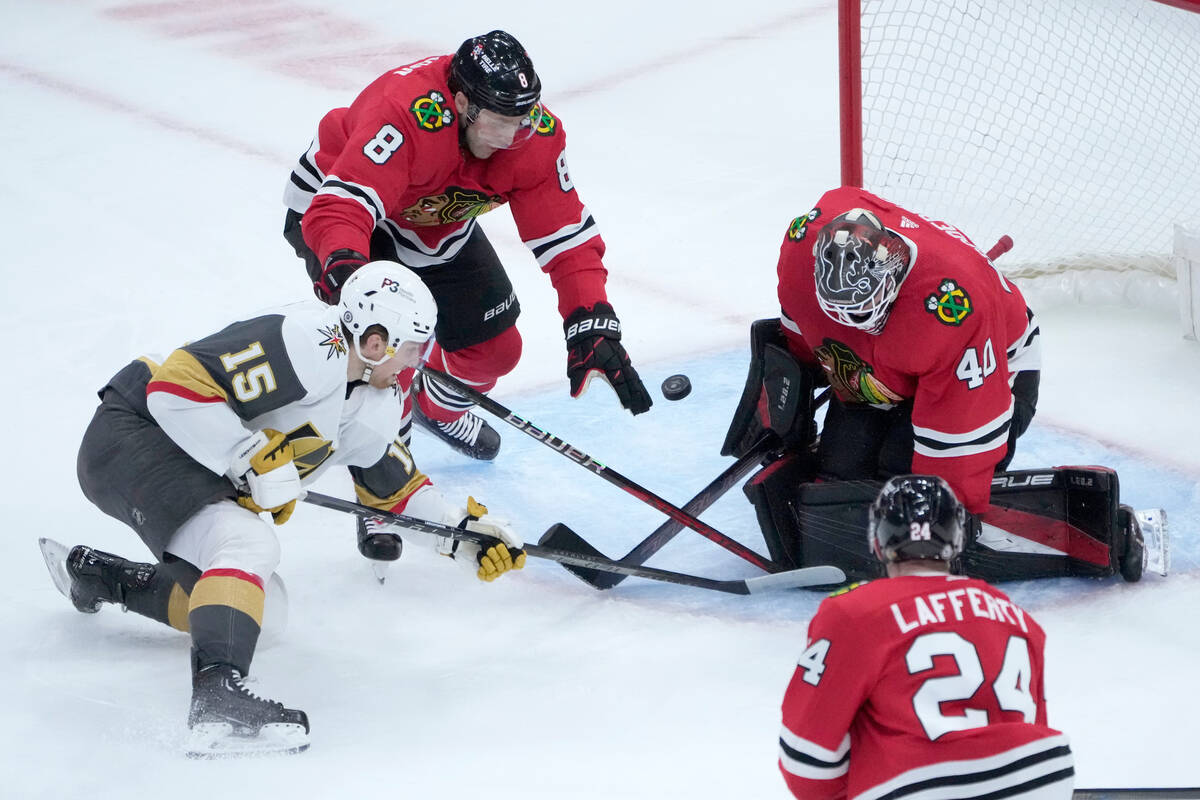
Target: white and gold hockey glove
264,465
485,562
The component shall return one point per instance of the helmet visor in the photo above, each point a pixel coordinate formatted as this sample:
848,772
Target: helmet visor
500,132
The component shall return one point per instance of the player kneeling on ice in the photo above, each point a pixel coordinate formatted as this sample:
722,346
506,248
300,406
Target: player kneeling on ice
932,359
190,452
925,684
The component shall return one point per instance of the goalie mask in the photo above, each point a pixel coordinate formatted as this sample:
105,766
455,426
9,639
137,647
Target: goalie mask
859,266
392,296
916,517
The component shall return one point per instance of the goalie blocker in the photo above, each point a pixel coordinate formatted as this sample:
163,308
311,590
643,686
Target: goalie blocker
1047,523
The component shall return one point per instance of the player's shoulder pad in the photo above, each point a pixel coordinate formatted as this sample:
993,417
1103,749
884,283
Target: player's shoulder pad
801,225
316,345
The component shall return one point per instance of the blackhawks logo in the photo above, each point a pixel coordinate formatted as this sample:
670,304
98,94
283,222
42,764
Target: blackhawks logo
431,111
454,205
852,378
334,341
545,124
799,226
952,305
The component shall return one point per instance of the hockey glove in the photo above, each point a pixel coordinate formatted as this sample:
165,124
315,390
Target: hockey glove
594,348
264,463
340,265
488,561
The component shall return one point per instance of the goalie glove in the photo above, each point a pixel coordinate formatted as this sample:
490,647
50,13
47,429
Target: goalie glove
338,268
264,469
594,348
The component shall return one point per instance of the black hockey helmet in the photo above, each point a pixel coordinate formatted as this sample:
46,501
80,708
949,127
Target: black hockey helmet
916,517
495,73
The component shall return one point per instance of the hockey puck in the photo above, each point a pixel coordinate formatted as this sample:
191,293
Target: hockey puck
676,387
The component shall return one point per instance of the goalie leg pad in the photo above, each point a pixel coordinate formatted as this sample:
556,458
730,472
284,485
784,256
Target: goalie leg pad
1049,523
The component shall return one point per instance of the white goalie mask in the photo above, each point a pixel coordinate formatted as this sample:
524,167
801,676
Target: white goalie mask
859,266
391,295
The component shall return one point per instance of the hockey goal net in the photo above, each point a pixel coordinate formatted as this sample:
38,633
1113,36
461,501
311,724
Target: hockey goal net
1072,125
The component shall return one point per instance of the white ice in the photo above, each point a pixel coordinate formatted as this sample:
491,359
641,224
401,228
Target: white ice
148,144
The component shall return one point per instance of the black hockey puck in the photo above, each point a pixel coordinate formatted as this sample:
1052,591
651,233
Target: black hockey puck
676,387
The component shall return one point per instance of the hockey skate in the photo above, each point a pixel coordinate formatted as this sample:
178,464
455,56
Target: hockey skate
90,578
1147,543
379,545
227,719
469,434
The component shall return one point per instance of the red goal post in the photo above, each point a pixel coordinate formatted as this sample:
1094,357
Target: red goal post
1073,125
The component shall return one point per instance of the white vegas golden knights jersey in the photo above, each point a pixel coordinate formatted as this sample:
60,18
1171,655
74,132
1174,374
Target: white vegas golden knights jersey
284,370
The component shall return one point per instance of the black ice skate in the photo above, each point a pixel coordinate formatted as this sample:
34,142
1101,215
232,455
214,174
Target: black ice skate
469,434
227,719
90,578
379,544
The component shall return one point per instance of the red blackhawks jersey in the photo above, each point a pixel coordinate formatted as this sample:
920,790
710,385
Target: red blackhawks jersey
957,334
924,687
391,167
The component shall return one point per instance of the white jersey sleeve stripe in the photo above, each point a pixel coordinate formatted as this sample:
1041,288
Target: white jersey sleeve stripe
807,759
365,196
1026,352
1040,770
940,444
789,323
546,248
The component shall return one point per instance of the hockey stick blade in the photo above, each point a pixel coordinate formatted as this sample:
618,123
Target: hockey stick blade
808,576
561,537
588,560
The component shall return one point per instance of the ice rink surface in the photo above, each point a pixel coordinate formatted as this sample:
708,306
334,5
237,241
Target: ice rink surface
148,145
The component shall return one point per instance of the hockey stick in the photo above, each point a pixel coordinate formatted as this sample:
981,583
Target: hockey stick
566,539
664,533
792,579
612,476
1135,794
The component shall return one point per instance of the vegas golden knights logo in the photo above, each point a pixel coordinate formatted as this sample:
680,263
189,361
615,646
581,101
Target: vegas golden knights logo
310,447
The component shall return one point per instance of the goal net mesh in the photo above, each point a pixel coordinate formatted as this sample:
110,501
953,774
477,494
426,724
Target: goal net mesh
1071,125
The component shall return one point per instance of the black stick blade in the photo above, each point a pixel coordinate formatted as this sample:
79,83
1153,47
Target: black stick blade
560,537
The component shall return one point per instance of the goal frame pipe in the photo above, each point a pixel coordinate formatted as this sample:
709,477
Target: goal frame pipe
850,83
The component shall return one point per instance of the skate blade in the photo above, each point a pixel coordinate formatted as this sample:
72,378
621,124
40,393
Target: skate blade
217,740
55,555
380,569
1156,538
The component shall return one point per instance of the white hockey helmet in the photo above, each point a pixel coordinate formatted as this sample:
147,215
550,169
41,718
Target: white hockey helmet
859,266
391,295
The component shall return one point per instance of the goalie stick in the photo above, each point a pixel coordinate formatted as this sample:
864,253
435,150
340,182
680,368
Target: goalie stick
641,553
565,538
612,476
792,579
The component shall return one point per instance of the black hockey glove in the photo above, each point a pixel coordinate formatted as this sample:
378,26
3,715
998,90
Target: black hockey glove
340,265
594,348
